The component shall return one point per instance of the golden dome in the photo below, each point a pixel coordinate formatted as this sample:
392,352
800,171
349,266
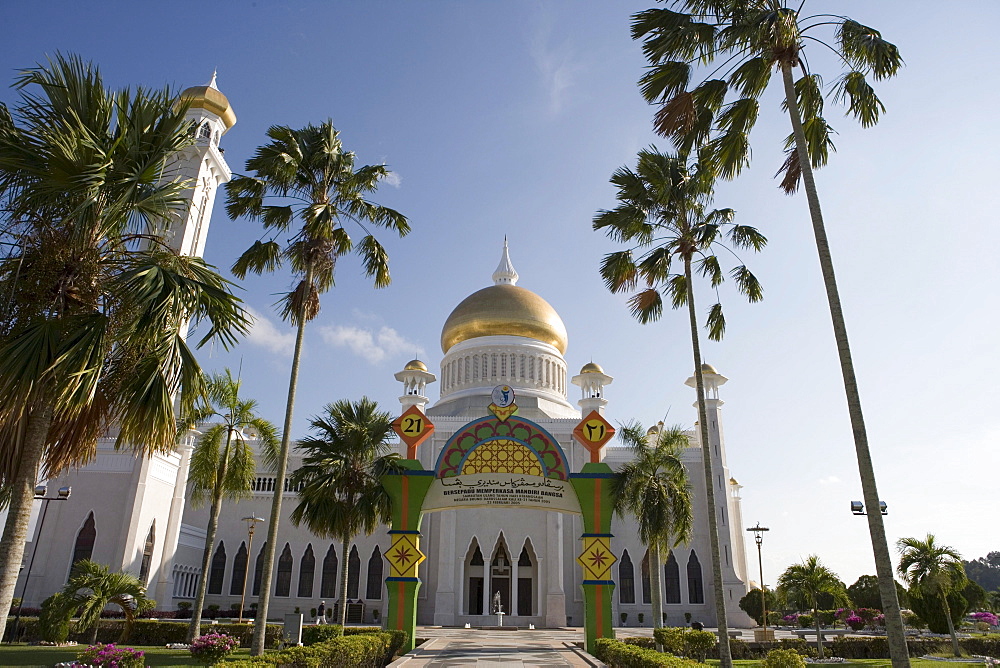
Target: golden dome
415,365
212,100
591,368
504,310
708,368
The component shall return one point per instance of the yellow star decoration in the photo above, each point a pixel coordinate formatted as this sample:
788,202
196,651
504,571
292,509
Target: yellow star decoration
404,556
597,558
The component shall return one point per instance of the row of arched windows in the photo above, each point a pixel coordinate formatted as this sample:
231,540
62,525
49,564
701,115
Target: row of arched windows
306,573
671,579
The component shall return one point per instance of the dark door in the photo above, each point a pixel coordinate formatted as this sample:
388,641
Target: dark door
524,597
501,585
475,596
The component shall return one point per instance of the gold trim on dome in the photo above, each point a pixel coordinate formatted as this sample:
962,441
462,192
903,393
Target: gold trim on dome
708,368
504,310
415,365
211,100
591,367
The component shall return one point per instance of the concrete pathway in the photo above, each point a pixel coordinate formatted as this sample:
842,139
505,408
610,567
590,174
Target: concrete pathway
471,648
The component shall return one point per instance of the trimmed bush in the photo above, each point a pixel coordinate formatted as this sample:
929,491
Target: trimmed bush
618,654
805,621
312,635
783,658
684,642
54,619
362,650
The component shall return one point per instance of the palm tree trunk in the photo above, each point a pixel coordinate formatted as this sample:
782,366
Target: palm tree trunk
342,614
22,494
951,625
260,623
725,656
883,561
194,628
819,636
654,589
93,630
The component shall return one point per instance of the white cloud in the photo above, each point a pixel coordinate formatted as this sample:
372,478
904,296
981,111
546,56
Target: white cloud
829,480
264,333
372,345
393,179
554,63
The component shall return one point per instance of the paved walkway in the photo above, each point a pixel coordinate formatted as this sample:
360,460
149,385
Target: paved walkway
471,648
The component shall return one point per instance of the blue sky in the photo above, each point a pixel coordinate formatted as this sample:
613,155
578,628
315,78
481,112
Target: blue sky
507,118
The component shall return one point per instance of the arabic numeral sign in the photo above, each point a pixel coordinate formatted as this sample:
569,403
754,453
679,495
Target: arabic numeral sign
413,425
594,430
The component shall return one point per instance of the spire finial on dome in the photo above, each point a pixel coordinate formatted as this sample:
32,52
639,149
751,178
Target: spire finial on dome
505,274
211,84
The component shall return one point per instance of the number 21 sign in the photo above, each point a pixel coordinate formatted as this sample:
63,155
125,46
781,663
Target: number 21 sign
414,428
593,433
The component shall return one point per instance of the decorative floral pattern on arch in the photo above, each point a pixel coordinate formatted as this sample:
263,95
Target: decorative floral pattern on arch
515,445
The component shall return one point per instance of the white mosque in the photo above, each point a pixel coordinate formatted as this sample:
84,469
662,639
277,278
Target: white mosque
132,513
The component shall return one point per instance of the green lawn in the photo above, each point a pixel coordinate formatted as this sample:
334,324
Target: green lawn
862,663
25,655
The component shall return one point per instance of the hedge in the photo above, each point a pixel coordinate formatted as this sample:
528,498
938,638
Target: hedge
360,650
618,654
154,633
685,642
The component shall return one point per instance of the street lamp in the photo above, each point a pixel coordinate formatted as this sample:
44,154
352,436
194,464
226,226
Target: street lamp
858,508
40,491
758,535
251,525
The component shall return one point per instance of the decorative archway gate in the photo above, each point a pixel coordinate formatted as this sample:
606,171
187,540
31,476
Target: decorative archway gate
501,460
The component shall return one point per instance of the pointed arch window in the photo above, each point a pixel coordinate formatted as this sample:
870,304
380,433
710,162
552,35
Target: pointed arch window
328,578
307,571
672,579
205,132
283,580
353,573
626,579
85,538
374,588
239,571
217,571
147,554
477,557
696,590
258,569
644,569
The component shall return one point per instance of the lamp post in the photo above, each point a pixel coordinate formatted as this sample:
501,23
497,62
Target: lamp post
251,525
758,535
40,491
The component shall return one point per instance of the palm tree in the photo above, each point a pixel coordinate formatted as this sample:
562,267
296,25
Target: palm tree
95,306
935,570
92,588
749,39
663,215
223,465
306,176
653,487
339,482
806,581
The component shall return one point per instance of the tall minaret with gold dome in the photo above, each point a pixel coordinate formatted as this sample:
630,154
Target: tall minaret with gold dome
202,163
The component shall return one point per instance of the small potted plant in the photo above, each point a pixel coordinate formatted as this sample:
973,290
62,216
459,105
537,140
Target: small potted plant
642,618
375,615
624,617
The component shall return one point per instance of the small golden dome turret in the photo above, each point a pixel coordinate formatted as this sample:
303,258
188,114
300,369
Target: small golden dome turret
415,365
210,99
591,367
708,368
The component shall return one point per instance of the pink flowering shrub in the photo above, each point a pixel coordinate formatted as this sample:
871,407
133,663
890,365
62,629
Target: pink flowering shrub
212,648
987,617
111,656
855,622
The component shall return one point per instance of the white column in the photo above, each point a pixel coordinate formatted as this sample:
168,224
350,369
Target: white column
555,595
173,529
449,570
